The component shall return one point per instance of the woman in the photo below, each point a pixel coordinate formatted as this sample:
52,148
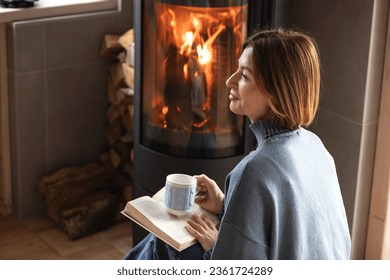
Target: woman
283,200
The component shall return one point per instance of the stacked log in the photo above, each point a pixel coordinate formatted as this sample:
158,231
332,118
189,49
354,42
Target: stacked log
85,199
80,199
120,113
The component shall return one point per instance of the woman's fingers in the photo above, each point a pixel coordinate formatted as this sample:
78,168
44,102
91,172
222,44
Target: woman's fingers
201,223
203,230
200,197
209,223
193,232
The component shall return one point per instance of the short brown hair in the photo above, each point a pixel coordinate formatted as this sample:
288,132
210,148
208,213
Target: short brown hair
286,64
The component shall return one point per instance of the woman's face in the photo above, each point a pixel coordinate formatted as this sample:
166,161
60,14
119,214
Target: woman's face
245,97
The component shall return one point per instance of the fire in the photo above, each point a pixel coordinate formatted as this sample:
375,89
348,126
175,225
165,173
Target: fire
185,49
185,71
164,112
192,40
203,48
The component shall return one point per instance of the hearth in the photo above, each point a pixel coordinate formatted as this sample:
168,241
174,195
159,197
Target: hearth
184,52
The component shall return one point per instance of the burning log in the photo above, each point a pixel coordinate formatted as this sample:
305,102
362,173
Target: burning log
176,92
198,83
198,89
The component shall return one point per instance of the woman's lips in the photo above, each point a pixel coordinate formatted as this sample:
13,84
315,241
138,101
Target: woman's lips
232,97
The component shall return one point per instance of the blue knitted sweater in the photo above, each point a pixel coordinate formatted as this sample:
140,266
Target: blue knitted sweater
283,201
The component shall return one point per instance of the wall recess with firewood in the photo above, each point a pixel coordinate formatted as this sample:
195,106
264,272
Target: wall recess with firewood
58,107
86,199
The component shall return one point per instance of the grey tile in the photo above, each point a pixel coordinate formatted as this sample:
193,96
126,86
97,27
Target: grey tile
72,42
26,42
28,141
78,40
76,114
12,99
342,31
10,46
66,126
126,17
343,91
13,139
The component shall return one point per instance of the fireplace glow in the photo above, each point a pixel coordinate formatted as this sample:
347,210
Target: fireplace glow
195,50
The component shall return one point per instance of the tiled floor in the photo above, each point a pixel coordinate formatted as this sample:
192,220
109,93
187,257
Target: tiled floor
41,239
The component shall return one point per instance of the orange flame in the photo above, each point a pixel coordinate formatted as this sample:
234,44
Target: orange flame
193,31
164,112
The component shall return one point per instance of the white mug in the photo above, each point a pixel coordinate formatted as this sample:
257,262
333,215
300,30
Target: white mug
180,190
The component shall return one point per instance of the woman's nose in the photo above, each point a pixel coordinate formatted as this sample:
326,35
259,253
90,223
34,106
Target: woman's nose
230,82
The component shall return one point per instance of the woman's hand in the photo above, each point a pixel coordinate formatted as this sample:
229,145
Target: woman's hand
209,195
203,229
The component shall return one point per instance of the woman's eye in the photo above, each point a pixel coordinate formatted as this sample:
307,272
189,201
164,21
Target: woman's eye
244,76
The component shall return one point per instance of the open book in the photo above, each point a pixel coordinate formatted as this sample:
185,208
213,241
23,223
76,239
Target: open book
151,214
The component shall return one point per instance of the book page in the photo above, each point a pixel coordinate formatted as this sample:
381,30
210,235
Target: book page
156,213
159,196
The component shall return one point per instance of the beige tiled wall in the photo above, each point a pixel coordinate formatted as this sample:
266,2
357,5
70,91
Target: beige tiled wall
378,237
57,88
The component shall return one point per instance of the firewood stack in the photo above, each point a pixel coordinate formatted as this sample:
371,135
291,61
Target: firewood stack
120,113
85,199
80,199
